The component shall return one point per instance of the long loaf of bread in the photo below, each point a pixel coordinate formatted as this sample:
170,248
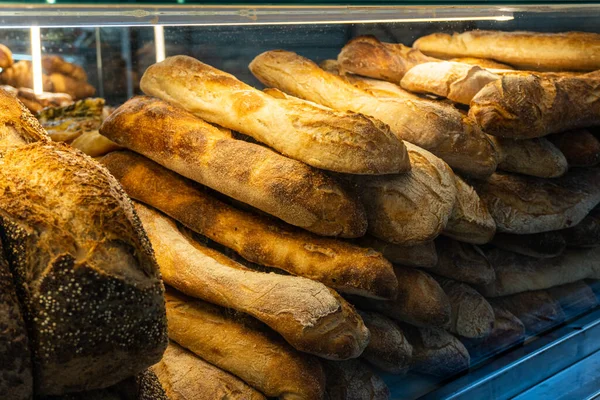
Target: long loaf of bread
580,147
574,298
527,50
285,188
528,106
243,347
422,255
353,380
321,137
309,316
185,376
584,234
521,204
436,127
538,245
343,266
462,262
516,273
410,208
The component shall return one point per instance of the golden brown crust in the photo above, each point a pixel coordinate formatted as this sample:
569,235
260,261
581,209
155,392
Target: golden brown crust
535,157
324,138
95,255
345,267
580,147
185,376
521,204
367,56
56,64
277,369
421,255
353,380
538,245
434,126
462,262
6,58
482,62
528,106
288,189
76,89
470,220
20,74
309,316
577,51
410,208
17,125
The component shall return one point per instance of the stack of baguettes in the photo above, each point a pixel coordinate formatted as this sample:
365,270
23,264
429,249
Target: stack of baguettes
255,239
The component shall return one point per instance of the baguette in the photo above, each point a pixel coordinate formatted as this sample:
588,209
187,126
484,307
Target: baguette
436,127
455,81
577,51
574,298
242,347
309,316
420,302
437,352
367,56
353,380
482,62
522,205
16,379
315,135
472,316
187,377
538,245
536,157
388,349
462,262
580,147
285,188
537,310
410,208
341,265
470,220
584,234
529,106
421,255
516,273
508,331
82,265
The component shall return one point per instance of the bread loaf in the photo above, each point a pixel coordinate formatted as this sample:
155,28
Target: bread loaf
36,102
410,208
455,81
188,377
538,245
388,348
537,310
439,128
437,352
516,273
353,380
243,347
529,106
57,64
421,255
508,331
74,88
482,62
285,188
16,381
341,265
538,51
79,256
535,157
367,56
6,58
470,220
522,205
17,125
584,234
462,262
309,316
321,137
420,301
20,74
574,298
472,316
580,147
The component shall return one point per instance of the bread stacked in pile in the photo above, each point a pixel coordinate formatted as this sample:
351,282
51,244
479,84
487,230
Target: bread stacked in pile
341,219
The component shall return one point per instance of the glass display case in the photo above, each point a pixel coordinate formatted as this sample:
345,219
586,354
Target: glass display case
540,337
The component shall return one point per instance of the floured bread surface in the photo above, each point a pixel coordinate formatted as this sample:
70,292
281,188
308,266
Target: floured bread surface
79,255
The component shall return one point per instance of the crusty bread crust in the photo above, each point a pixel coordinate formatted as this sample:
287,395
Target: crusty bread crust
434,126
539,245
262,240
580,147
324,138
421,255
17,125
482,62
290,190
577,51
462,262
354,380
